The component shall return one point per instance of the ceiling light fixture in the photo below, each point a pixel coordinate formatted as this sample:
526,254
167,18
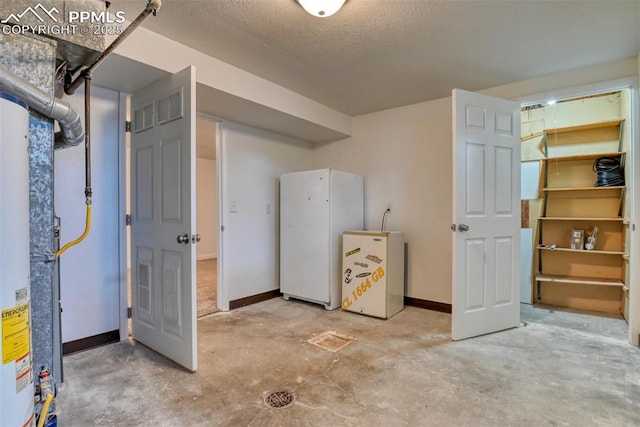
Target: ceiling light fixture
321,8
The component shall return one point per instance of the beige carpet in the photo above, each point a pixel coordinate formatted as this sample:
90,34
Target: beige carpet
207,286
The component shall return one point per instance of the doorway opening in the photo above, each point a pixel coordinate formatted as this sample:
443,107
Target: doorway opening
206,216
576,203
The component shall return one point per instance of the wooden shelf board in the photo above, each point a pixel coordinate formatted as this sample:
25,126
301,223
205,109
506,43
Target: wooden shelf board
531,136
579,280
590,156
588,126
617,188
562,218
582,251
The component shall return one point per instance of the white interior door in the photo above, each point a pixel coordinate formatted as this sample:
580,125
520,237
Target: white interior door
486,214
163,238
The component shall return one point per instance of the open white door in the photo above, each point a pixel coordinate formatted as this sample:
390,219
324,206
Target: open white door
486,214
163,273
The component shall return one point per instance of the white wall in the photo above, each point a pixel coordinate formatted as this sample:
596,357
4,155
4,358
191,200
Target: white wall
206,207
241,90
405,154
253,161
90,270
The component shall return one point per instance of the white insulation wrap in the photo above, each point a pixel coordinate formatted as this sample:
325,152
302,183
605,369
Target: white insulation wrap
16,376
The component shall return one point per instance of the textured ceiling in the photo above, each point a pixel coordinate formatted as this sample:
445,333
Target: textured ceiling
378,54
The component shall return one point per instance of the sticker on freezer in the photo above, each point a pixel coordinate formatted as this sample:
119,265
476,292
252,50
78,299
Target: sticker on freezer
352,252
361,290
374,258
347,276
361,264
361,275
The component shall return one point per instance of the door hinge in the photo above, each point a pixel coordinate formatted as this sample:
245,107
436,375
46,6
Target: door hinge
57,227
129,312
127,219
127,126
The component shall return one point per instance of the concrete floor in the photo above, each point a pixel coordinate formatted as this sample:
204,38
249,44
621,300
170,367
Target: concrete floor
560,369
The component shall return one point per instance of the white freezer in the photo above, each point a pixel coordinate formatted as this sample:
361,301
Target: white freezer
315,208
373,273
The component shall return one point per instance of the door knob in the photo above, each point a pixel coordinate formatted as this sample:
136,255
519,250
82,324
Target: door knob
195,238
183,238
463,227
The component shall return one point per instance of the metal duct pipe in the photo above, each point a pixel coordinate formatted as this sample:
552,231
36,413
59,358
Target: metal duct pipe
152,7
70,124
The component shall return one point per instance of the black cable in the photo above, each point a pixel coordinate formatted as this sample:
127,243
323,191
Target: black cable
384,216
609,172
88,191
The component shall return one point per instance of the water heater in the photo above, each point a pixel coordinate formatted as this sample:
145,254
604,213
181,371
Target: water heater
16,374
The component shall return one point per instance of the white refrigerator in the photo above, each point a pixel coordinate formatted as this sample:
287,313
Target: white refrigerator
373,272
316,207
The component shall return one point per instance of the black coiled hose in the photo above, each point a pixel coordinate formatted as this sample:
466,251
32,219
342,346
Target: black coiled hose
610,173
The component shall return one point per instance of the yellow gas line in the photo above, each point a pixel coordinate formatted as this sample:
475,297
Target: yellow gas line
45,410
79,239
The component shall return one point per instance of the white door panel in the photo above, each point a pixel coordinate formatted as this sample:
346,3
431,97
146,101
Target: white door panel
487,202
305,249
163,208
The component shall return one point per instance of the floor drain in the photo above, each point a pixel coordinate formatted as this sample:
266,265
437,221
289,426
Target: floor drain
279,399
331,341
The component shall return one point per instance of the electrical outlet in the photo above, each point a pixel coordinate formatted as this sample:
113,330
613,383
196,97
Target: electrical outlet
234,207
268,208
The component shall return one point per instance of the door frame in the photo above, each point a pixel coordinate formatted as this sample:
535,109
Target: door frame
633,159
123,255
223,286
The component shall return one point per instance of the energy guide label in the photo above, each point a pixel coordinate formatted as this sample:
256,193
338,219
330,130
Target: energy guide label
15,333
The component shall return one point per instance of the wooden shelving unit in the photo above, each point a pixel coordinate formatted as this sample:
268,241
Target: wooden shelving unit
588,126
582,251
571,201
579,280
573,219
584,189
589,156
